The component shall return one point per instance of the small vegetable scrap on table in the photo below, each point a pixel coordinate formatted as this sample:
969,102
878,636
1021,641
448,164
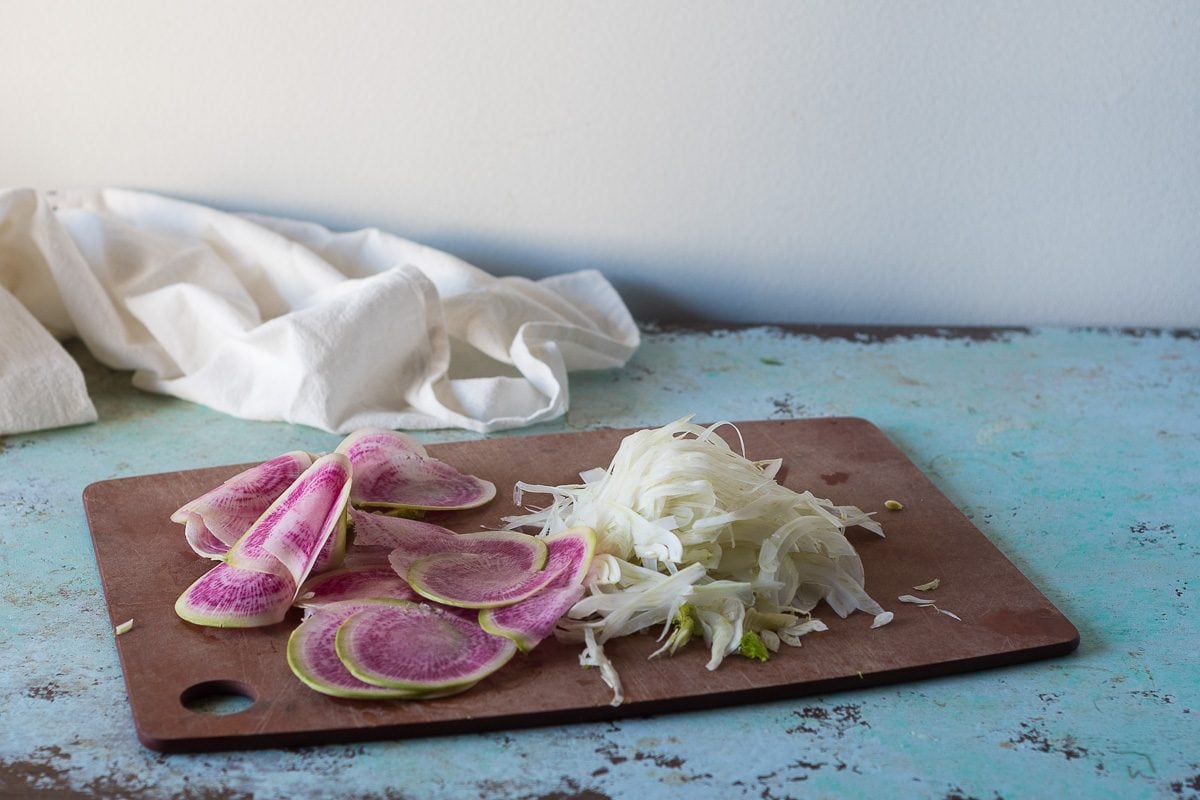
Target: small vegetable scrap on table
680,533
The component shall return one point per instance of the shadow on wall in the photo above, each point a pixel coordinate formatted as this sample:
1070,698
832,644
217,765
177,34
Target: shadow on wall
657,285
501,257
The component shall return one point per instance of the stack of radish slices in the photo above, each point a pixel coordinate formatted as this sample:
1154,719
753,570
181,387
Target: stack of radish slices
411,609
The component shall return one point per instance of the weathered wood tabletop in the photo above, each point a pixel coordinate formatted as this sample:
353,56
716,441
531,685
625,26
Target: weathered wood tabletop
1076,452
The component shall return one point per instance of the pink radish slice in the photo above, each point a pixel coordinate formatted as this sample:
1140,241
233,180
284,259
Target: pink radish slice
228,597
418,647
404,540
530,621
218,518
366,444
202,541
520,551
569,553
479,577
314,660
391,470
487,571
385,532
333,552
292,533
353,583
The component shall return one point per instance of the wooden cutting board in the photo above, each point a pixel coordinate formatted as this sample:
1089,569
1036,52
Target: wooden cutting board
168,663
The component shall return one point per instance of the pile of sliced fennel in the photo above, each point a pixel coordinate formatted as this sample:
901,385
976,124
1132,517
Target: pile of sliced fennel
694,538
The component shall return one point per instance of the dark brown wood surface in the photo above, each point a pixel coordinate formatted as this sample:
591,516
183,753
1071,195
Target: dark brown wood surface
145,563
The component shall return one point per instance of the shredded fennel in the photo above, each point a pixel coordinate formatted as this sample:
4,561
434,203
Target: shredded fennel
698,540
752,646
925,602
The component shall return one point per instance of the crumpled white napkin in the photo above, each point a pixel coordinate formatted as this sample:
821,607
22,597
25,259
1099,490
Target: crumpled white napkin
275,319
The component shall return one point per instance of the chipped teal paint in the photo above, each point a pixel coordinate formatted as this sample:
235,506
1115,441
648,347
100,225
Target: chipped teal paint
1076,452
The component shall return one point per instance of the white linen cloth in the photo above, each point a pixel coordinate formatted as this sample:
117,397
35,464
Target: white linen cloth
276,319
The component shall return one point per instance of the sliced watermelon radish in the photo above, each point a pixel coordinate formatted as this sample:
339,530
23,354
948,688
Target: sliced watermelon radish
314,660
530,621
203,541
295,531
218,518
569,554
385,533
366,444
392,471
520,551
418,647
229,597
333,552
486,571
402,540
353,583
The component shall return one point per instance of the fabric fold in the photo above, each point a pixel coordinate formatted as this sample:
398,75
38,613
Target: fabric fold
276,319
41,386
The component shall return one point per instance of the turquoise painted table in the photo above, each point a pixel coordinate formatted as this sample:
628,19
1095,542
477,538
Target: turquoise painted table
1077,452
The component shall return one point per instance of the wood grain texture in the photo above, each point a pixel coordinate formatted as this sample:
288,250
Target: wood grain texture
145,563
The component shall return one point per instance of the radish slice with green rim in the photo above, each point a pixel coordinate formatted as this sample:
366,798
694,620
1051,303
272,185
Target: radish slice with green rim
293,532
406,540
353,583
522,552
417,647
314,660
569,553
486,573
219,517
530,621
392,471
229,597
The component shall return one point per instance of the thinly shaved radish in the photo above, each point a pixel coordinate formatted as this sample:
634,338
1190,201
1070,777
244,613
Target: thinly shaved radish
385,533
392,471
523,552
353,583
417,647
366,445
314,660
292,533
311,517
229,597
569,554
530,621
274,525
218,518
486,576
202,541
333,553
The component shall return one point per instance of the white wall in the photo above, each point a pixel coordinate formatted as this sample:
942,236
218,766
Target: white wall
908,162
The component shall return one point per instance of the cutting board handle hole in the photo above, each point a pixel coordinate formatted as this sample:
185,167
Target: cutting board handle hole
217,697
